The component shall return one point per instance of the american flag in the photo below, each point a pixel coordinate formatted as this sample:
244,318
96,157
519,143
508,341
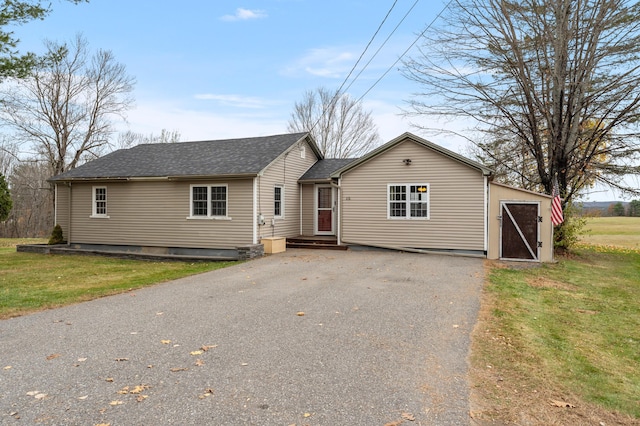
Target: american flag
556,204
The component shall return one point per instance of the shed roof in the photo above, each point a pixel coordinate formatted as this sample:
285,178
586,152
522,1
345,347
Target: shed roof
427,144
227,157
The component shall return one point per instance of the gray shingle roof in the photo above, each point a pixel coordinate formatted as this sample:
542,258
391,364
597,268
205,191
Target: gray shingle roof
323,169
247,156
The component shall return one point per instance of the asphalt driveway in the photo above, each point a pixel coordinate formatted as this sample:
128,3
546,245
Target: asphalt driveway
299,338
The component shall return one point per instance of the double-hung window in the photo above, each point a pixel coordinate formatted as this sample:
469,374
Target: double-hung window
208,201
99,201
278,201
408,201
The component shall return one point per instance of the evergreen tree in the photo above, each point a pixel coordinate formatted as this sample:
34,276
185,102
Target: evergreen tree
5,199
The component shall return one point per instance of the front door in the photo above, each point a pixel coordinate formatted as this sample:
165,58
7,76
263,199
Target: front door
325,207
519,231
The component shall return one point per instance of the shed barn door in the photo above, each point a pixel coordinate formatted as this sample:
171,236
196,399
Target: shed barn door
519,231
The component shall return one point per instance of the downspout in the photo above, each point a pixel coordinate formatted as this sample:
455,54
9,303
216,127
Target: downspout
69,219
486,214
255,211
55,205
339,209
300,186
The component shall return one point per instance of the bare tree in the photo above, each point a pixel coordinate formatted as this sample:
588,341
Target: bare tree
130,139
337,122
552,87
32,213
64,111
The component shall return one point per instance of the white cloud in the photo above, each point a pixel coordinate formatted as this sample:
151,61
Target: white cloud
330,62
236,101
244,15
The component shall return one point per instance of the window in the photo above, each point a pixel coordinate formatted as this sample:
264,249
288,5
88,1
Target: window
408,201
99,201
208,201
278,201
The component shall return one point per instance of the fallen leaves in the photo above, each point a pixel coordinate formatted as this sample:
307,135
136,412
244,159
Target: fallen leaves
561,404
300,314
408,416
194,353
53,356
37,394
121,359
176,369
133,390
165,342
207,347
404,417
207,393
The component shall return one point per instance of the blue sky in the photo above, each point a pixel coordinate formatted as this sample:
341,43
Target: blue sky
225,69
214,69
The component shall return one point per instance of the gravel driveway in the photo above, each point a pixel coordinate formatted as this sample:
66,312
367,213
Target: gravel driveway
298,338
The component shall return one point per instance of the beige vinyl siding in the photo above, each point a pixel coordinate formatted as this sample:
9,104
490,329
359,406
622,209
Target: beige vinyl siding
308,211
456,201
62,209
286,171
155,214
499,193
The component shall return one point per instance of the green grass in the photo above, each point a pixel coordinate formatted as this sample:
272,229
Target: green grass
32,282
613,231
574,325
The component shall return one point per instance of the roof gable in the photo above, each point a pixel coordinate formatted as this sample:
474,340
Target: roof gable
228,157
420,141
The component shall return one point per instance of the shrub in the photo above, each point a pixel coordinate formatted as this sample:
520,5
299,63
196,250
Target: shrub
56,236
566,236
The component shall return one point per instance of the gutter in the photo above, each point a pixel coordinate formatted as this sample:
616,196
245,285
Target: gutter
155,178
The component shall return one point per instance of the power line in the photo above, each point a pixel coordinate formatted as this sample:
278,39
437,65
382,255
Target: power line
365,49
383,44
406,51
339,91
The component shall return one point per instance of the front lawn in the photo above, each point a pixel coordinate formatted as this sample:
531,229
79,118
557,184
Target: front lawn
32,282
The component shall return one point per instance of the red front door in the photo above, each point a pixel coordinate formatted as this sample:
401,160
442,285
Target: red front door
324,215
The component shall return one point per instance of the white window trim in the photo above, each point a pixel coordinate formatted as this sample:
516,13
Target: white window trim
282,202
208,216
94,206
408,201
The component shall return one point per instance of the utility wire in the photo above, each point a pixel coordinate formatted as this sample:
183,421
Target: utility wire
406,51
365,50
339,91
382,45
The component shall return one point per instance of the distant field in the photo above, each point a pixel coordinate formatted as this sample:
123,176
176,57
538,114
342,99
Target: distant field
613,231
